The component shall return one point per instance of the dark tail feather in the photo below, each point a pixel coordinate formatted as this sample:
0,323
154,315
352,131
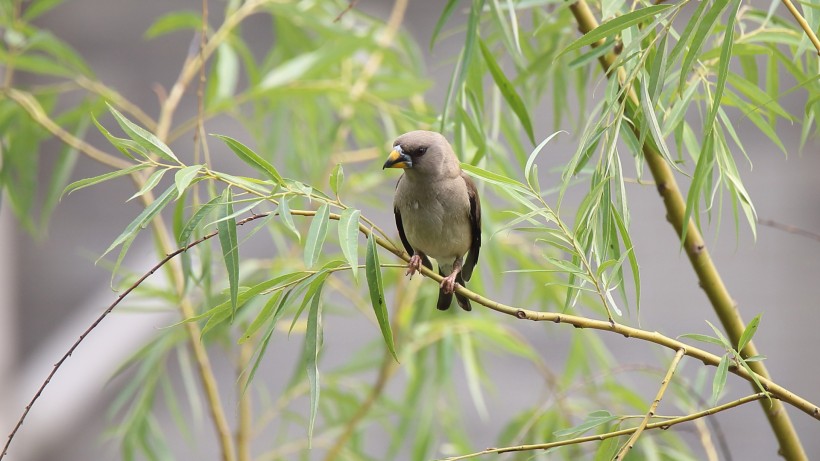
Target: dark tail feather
444,300
462,300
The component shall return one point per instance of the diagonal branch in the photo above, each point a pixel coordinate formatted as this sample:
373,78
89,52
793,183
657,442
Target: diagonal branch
651,413
594,438
803,24
695,247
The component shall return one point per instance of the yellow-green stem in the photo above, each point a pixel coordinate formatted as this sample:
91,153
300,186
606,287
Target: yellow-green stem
708,276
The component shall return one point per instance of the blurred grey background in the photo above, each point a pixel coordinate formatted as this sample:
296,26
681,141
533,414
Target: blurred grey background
50,291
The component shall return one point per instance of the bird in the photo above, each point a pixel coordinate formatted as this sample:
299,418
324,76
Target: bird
437,211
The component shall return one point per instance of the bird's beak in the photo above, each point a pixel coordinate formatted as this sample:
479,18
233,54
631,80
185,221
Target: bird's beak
398,159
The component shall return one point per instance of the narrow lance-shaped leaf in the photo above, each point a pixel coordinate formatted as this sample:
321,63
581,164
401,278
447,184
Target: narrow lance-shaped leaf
373,271
142,219
748,333
313,344
723,67
612,27
349,239
507,90
316,236
287,217
337,178
703,29
229,245
149,184
143,137
252,158
445,15
720,378
183,177
83,183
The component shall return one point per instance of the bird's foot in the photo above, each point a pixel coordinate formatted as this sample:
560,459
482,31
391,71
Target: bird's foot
448,284
414,266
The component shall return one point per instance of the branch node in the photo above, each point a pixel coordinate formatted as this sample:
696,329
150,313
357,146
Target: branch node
521,314
557,319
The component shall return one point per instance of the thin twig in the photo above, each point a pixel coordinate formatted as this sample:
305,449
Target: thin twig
593,438
803,24
350,5
649,414
244,432
102,316
790,229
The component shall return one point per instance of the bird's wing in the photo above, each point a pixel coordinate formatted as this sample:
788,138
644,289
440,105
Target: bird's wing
475,227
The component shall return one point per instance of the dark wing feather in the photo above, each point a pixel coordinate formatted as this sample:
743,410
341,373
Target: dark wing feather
475,227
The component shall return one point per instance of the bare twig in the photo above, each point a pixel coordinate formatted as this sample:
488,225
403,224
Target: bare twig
790,229
651,413
593,438
102,316
350,5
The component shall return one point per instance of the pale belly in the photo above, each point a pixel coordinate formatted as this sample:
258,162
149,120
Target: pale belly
436,233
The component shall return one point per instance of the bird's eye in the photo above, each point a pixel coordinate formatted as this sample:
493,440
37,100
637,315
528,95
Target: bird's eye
422,150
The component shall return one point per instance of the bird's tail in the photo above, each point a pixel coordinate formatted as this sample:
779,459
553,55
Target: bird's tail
445,299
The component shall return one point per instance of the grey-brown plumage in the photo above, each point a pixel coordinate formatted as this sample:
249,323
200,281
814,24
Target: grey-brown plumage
438,212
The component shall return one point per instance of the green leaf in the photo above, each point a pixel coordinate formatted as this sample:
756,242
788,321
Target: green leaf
703,30
373,271
349,239
123,145
445,15
720,378
193,222
337,178
612,27
593,420
654,127
142,219
252,158
723,67
507,90
316,235
703,338
174,21
494,178
230,247
593,53
149,184
287,218
748,333
463,63
143,137
184,176
313,344
534,155
35,9
83,183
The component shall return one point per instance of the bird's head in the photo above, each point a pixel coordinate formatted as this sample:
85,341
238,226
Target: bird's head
424,153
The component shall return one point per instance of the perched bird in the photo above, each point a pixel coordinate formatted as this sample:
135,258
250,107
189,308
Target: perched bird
437,210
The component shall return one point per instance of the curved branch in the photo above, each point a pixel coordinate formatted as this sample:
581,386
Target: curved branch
776,391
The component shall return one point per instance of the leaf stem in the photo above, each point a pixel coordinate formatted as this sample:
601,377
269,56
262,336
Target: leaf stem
651,413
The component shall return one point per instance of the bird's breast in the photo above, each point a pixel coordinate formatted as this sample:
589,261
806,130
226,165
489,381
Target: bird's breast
437,223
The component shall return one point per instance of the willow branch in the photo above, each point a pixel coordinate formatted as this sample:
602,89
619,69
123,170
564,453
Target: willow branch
36,112
790,229
595,438
695,247
359,88
803,24
654,406
243,433
775,390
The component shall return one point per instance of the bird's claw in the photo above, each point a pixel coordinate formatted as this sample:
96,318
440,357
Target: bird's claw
448,284
414,266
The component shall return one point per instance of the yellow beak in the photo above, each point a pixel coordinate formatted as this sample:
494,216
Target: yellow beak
398,159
